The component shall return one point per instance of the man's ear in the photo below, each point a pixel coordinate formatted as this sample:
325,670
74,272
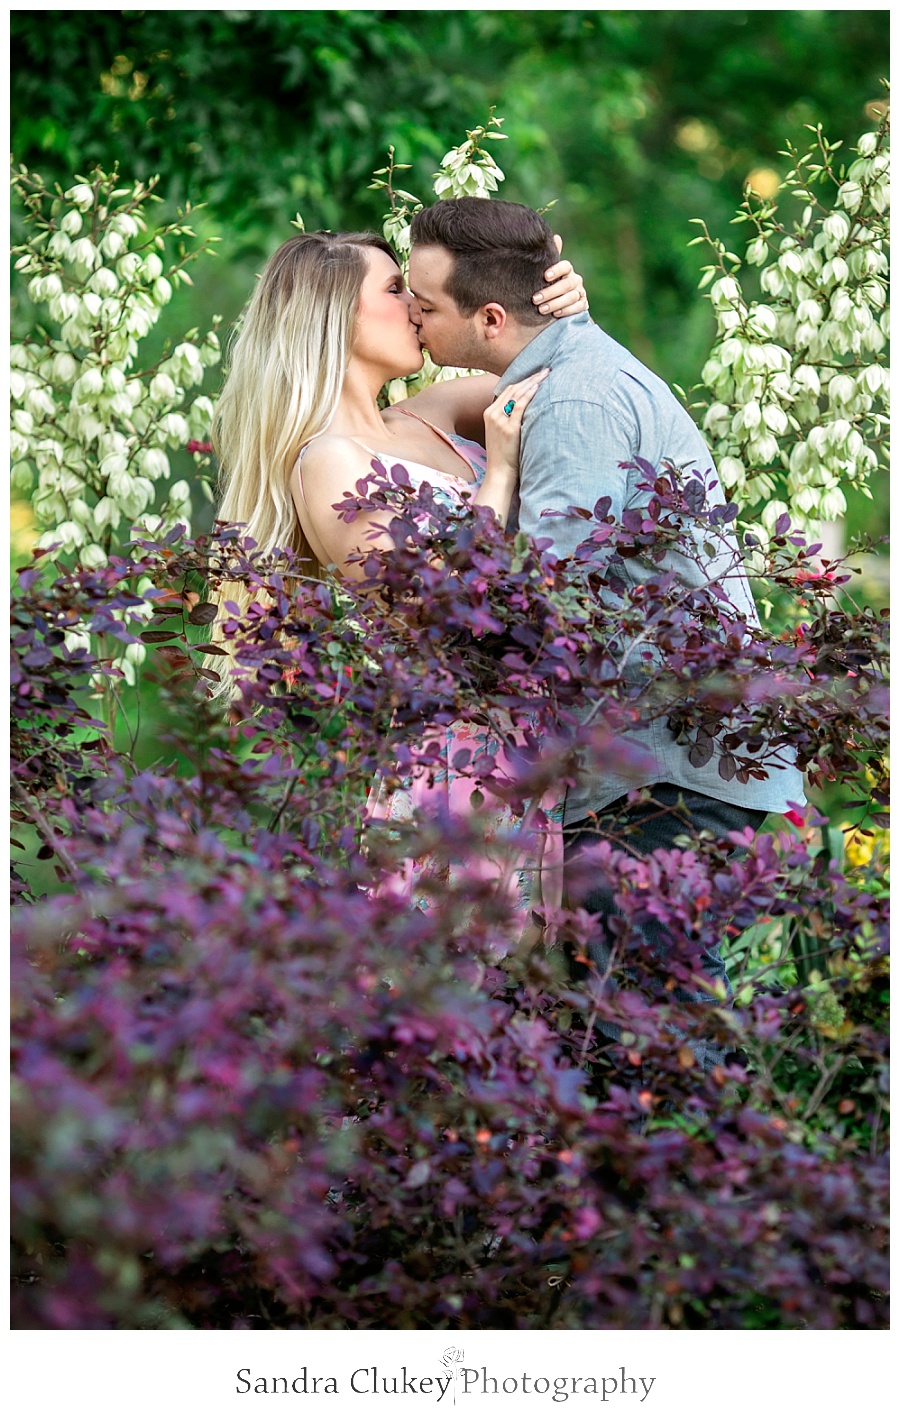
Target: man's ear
493,319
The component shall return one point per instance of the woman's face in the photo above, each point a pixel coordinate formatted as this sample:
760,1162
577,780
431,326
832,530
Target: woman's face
385,337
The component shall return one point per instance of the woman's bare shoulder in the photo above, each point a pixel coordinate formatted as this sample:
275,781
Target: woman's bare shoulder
332,453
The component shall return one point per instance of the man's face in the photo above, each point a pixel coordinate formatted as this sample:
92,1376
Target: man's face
449,337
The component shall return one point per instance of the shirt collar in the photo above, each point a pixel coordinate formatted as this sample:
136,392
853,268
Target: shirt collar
540,350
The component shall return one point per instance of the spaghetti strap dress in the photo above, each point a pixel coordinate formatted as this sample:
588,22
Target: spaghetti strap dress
521,856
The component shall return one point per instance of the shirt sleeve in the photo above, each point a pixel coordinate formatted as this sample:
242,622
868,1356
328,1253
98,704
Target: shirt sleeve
570,456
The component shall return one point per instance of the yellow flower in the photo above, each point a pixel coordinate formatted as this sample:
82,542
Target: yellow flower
859,847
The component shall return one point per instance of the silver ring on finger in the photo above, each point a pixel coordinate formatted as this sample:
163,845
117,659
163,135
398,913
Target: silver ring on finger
508,408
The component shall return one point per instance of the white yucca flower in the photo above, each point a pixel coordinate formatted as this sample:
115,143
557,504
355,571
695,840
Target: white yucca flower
104,282
832,504
82,420
80,196
187,360
836,226
162,388
806,378
71,535
731,471
809,311
180,494
850,195
39,401
77,640
177,428
84,255
153,463
200,417
725,291
763,449
115,379
835,271
128,266
114,468
125,225
107,513
112,244
211,349
59,245
88,385
775,419
874,379
841,389
138,322
772,281
18,384
772,512
762,321
93,556
71,223
132,494
64,307
779,394
791,263
64,368
757,251
121,405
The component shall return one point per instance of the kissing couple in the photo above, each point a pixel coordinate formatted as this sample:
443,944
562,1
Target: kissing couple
558,422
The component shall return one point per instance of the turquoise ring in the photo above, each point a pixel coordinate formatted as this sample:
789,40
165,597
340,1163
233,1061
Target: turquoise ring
509,407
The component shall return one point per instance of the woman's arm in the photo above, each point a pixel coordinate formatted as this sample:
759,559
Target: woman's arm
458,404
334,464
503,432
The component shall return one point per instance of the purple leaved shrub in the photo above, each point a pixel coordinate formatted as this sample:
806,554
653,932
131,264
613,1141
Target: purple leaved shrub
255,1086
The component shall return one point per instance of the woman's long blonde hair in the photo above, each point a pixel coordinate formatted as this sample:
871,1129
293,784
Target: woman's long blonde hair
287,366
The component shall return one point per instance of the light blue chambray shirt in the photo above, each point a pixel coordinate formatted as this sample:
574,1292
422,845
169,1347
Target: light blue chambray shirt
600,407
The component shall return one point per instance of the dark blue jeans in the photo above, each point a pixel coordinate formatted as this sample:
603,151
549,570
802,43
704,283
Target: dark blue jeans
639,829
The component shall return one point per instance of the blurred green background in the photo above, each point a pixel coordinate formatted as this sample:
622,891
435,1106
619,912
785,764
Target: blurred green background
634,121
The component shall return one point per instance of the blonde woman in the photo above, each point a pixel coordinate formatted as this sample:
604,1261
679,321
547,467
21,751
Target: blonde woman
298,423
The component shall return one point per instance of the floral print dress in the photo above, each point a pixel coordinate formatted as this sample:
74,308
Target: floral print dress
522,855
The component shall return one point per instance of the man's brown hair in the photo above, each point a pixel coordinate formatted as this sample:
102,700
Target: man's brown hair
500,250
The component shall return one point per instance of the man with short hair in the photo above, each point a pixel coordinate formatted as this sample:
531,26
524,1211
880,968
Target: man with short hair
474,268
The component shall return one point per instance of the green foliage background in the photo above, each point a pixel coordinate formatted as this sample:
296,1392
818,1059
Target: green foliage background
633,121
